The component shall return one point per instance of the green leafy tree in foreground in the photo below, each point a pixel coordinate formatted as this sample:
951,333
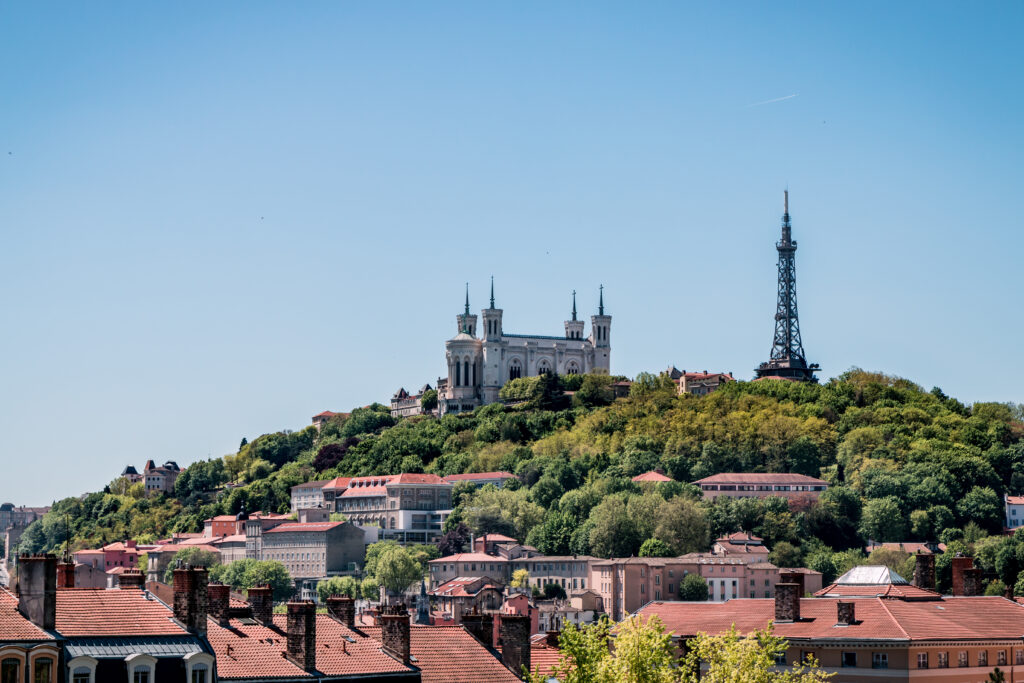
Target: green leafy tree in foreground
244,574
655,547
396,570
731,657
370,589
197,557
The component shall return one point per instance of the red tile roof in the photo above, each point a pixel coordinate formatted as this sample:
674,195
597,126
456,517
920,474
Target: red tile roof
416,478
13,625
974,618
497,538
761,478
304,526
1015,500
338,483
326,413
472,476
468,557
652,476
98,612
456,588
543,657
885,590
251,650
450,654
912,547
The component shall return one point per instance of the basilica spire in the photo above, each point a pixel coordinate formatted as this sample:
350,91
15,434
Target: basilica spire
600,305
492,291
574,304
467,298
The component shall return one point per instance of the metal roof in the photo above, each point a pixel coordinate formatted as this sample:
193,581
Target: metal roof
871,575
119,648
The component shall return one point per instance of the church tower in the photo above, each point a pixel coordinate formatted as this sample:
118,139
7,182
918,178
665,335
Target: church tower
600,335
492,373
574,327
467,322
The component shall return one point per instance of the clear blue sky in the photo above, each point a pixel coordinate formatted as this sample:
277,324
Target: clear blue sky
221,218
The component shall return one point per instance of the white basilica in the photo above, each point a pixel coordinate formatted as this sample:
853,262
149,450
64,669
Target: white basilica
479,366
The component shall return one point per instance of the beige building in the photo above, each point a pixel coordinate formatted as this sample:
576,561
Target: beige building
404,404
571,572
308,495
699,383
444,569
409,507
626,584
762,485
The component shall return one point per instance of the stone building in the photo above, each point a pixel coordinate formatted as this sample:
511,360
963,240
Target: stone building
404,404
479,366
315,550
762,485
408,507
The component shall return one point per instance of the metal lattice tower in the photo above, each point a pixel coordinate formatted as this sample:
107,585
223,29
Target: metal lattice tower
787,358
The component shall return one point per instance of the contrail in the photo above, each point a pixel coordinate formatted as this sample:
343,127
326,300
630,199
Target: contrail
777,99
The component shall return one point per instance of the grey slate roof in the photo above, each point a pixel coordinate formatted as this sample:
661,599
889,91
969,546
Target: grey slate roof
119,648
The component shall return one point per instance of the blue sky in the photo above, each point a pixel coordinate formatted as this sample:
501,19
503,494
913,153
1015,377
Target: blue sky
219,219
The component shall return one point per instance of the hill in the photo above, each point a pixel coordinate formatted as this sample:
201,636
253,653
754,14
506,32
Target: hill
902,463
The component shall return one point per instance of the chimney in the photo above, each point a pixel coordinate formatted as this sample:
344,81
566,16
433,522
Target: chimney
787,602
514,631
845,613
343,609
924,571
960,563
261,600
481,626
219,598
37,589
394,632
65,575
190,601
131,579
302,634
972,582
551,638
793,577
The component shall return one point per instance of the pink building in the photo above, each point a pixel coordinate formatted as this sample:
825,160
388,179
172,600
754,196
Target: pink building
762,485
627,584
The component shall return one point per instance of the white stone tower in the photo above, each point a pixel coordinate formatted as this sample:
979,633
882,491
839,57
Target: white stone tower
492,376
600,336
574,327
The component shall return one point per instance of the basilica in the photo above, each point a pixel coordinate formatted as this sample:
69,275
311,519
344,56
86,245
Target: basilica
478,366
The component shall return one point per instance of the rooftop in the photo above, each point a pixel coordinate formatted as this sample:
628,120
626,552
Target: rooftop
304,527
450,654
99,612
13,625
761,478
652,476
472,476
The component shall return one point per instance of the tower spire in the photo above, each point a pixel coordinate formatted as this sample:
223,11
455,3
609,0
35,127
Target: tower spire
574,304
787,359
600,305
467,298
492,291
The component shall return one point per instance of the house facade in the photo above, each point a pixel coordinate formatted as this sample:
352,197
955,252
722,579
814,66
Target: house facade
762,485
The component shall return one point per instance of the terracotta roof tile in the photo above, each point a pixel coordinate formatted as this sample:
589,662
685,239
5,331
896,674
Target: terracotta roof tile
98,612
652,476
761,478
473,476
304,526
250,650
13,625
450,654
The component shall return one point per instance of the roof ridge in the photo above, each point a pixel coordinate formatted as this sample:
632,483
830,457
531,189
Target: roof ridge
892,617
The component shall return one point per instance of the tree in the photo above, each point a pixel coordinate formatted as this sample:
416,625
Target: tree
655,547
428,401
244,574
520,578
785,554
197,557
693,588
682,525
983,506
337,585
614,532
396,569
554,535
731,657
552,591
454,540
328,456
997,676
595,390
370,589
374,552
883,520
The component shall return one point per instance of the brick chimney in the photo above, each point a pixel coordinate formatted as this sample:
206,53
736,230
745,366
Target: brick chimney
514,631
190,600
219,598
924,571
960,563
261,600
551,638
394,632
37,589
481,626
343,609
787,602
793,577
972,582
131,579
302,634
845,613
65,575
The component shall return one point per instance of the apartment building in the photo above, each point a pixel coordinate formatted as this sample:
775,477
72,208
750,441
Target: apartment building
762,485
308,495
571,572
626,584
408,507
315,550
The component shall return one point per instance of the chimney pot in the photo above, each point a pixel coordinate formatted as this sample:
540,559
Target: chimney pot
190,599
131,579
481,626
845,613
793,577
514,631
65,575
219,597
394,630
960,564
261,601
924,571
302,634
787,602
343,609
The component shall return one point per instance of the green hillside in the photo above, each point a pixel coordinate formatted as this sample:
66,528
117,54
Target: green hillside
903,463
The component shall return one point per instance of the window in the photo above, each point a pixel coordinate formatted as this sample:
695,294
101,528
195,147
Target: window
806,655
879,660
922,660
961,658
983,658
42,671
81,675
943,660
1001,658
141,675
199,674
1018,656
10,671
849,659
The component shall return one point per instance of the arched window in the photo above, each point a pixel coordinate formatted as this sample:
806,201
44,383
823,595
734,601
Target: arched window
572,369
465,371
515,369
458,374
543,368
10,670
42,670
